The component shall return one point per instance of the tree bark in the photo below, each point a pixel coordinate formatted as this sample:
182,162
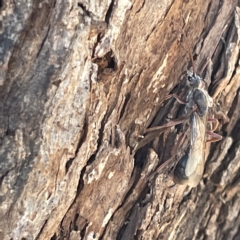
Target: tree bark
80,82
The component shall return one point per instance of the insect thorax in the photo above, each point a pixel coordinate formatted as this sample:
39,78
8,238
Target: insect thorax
197,95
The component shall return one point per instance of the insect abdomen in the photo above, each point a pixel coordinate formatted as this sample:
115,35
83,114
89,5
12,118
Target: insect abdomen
179,175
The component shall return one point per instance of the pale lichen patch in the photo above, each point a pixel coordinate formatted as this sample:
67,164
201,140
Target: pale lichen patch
107,217
110,175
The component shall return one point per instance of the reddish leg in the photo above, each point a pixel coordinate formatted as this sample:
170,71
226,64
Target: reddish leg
174,122
156,131
215,122
214,49
215,137
168,125
162,166
180,100
149,137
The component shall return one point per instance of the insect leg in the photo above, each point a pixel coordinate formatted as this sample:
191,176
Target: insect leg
179,99
149,137
169,124
175,122
215,122
221,116
215,137
214,49
188,45
154,132
163,165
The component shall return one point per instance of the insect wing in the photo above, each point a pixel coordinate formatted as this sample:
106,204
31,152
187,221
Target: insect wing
195,164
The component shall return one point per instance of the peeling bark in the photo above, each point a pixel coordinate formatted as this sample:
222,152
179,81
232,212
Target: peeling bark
79,83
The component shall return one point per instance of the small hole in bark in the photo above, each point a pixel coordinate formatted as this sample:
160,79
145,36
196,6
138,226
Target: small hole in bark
110,60
141,156
68,164
82,233
224,196
57,83
195,57
111,63
204,181
91,159
75,225
54,237
10,132
83,8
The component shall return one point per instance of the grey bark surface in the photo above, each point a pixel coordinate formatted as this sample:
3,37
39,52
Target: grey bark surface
80,81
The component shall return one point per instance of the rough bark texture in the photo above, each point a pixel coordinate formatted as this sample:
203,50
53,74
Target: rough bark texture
80,81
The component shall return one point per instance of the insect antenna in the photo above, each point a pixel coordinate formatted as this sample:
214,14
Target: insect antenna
214,49
180,29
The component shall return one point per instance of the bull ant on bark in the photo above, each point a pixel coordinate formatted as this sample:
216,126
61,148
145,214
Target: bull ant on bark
190,167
